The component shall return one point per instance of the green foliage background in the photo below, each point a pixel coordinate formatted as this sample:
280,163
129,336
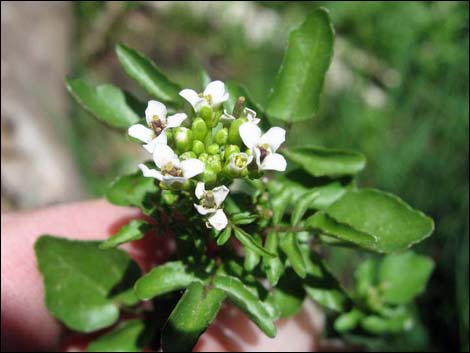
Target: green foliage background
399,94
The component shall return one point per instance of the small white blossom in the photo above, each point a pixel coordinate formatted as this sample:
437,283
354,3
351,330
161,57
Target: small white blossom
239,161
213,96
250,115
211,200
158,122
171,169
264,147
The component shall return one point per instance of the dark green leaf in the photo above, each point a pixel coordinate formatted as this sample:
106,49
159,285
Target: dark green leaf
148,75
320,161
394,224
164,279
81,281
290,246
247,301
272,265
243,218
280,200
404,276
321,285
329,226
133,190
248,242
298,85
195,311
134,230
289,294
107,103
124,338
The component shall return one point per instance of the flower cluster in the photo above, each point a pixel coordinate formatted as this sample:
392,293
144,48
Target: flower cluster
208,151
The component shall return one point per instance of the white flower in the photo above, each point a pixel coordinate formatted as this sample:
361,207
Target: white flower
264,147
250,115
158,122
239,161
211,200
213,96
172,170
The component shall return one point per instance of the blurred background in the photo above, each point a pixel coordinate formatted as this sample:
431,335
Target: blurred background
397,90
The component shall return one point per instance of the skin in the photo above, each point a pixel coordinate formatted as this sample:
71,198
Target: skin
27,325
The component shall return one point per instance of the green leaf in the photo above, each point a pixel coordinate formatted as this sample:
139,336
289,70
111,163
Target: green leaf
348,321
252,258
124,338
366,276
148,75
272,265
380,325
133,190
224,236
404,276
134,230
195,311
247,301
394,224
243,218
164,279
280,199
299,83
250,243
204,78
321,285
331,227
289,294
107,103
81,281
320,161
290,246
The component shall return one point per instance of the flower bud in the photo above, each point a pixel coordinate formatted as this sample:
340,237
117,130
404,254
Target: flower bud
213,149
214,163
206,113
203,157
198,147
183,139
234,134
221,136
199,128
188,155
229,150
209,177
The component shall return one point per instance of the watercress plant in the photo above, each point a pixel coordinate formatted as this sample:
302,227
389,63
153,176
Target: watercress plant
221,177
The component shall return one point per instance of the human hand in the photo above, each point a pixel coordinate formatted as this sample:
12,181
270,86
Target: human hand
27,325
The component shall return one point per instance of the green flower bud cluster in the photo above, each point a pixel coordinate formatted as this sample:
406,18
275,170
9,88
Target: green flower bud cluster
216,142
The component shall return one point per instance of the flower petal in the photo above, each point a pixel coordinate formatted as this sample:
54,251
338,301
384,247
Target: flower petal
257,154
218,220
199,191
155,108
216,89
251,116
274,161
176,120
141,132
169,180
202,210
250,134
150,173
191,96
226,117
274,137
192,167
160,139
163,154
220,194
